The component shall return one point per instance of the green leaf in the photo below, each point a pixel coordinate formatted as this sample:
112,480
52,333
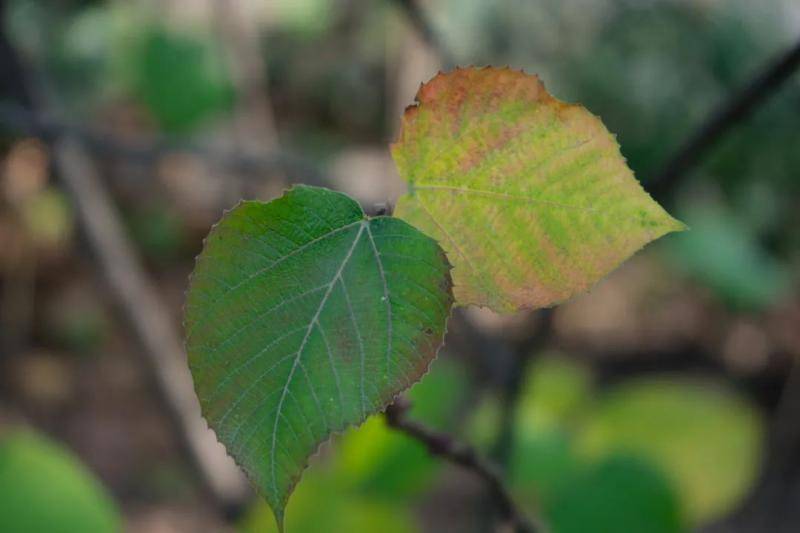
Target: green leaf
555,393
620,495
542,463
303,317
706,439
529,196
45,488
181,79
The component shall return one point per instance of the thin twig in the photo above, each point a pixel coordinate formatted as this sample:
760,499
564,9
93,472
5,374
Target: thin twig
147,318
732,112
511,385
443,446
145,313
146,151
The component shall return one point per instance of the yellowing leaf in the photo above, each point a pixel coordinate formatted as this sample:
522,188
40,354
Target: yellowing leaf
529,196
304,317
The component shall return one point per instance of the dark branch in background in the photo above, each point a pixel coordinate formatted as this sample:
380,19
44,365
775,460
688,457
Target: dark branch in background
732,112
770,502
443,446
424,28
145,151
146,316
149,321
524,351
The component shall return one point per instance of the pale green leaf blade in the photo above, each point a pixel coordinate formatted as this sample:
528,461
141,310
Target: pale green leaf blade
707,439
529,196
303,317
45,488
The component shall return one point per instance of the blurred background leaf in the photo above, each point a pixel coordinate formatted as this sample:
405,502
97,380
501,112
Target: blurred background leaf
45,488
705,439
722,251
621,494
180,78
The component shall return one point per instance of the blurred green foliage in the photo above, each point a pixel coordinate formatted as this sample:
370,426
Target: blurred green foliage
82,328
47,217
180,78
306,18
621,494
689,448
556,391
704,438
661,454
158,231
45,488
543,459
385,464
723,251
103,52
320,500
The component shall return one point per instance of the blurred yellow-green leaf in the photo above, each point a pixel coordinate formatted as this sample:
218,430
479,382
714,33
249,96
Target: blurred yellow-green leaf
376,460
543,460
555,389
706,439
47,216
320,504
45,488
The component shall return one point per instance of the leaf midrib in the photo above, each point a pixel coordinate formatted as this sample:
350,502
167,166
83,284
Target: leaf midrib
266,269
496,194
311,324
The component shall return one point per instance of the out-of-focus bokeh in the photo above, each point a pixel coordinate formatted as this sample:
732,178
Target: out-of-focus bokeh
665,400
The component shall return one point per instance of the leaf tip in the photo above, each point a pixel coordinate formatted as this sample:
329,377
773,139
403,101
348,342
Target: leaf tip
676,226
279,513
